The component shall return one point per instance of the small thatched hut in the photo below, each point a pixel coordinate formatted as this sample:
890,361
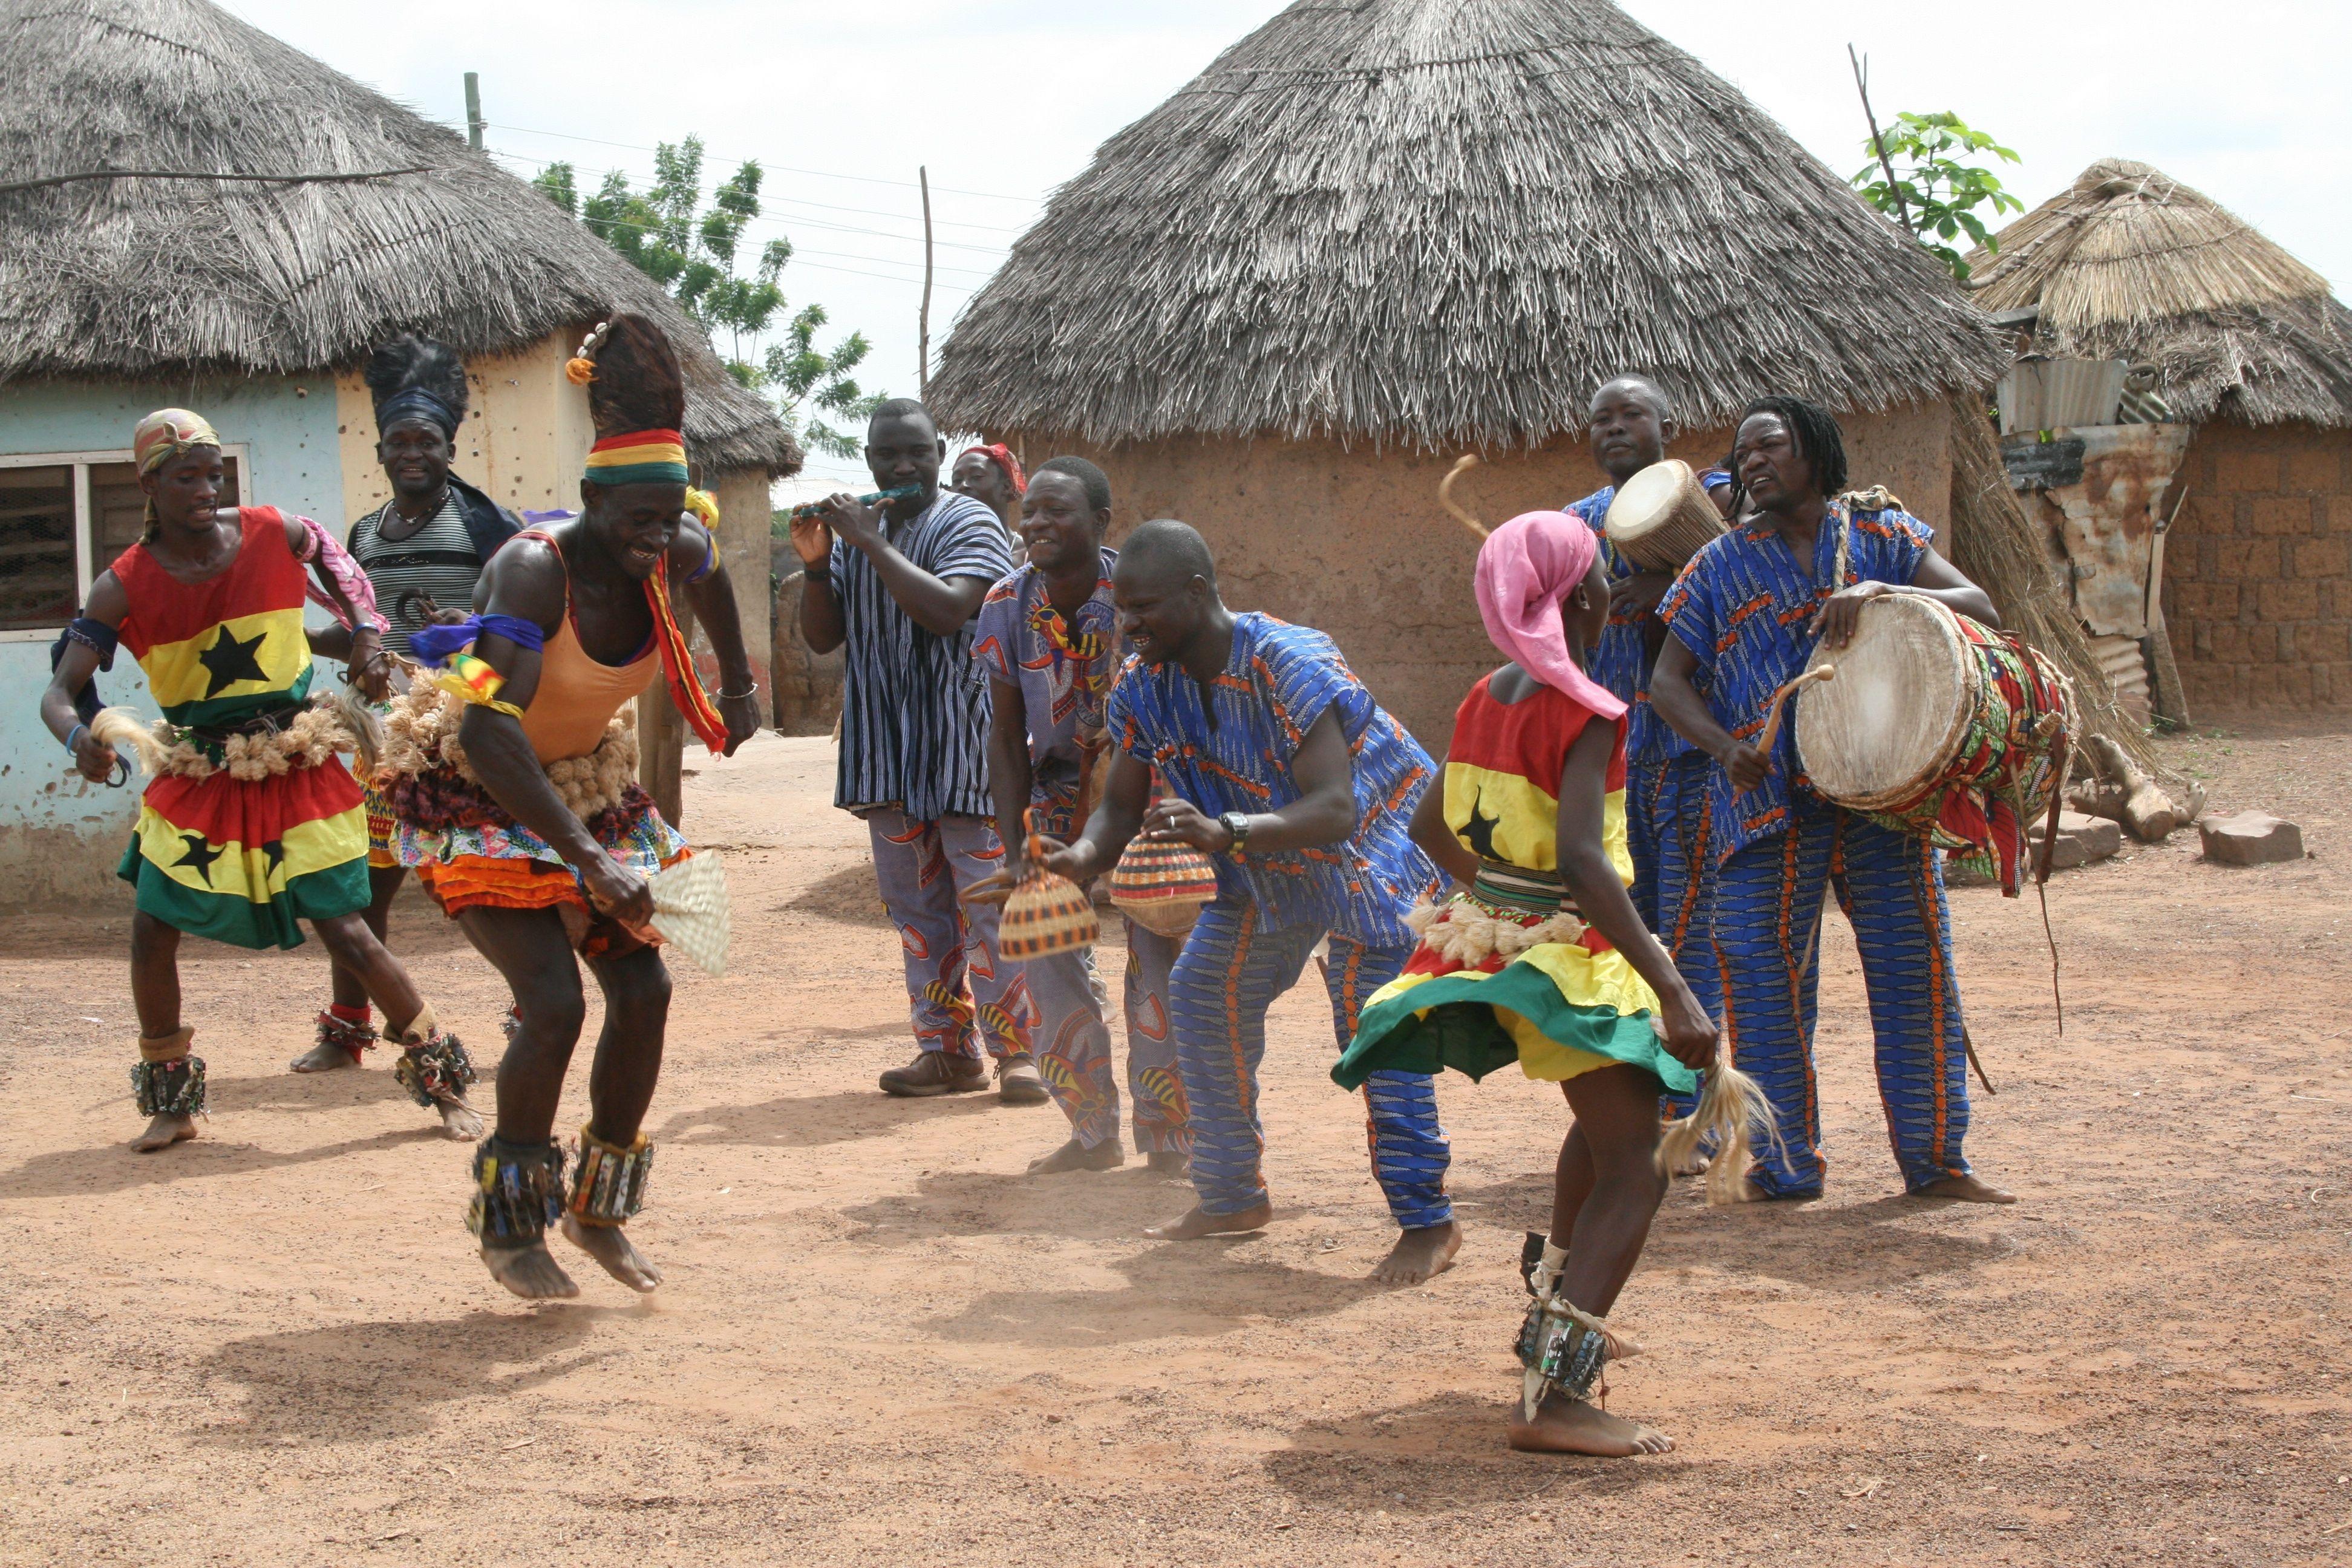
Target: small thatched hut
1372,236
2250,346
282,220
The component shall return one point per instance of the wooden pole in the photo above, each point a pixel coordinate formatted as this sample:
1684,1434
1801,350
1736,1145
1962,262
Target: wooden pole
661,738
923,323
1862,84
474,122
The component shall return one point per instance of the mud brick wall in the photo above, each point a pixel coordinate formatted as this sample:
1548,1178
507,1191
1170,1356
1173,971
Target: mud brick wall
2258,589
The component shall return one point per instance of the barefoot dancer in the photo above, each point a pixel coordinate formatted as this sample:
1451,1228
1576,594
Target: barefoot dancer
899,587
1278,763
1745,616
422,551
1049,640
577,624
1542,959
254,825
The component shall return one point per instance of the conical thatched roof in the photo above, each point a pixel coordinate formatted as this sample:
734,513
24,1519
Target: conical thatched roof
151,277
2131,264
1433,223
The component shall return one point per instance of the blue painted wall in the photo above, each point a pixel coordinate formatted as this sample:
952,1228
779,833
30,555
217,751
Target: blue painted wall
59,838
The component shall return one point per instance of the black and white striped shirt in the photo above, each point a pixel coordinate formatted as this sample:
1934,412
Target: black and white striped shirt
915,706
436,562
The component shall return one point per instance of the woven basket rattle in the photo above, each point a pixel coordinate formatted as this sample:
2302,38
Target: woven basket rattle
1162,887
1047,913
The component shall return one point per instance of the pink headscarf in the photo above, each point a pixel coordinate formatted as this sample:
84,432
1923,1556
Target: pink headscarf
1524,569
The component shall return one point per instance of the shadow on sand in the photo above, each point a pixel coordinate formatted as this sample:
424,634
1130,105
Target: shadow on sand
812,1120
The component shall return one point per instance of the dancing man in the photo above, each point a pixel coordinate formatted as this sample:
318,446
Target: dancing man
251,824
535,835
1280,765
1746,614
422,552
1049,641
1540,958
899,585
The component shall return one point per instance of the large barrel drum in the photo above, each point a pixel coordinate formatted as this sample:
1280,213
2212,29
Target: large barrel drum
1662,517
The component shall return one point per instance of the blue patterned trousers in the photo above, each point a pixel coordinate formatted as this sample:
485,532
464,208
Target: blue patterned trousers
1074,1051
1645,831
961,999
1230,971
1684,923
1767,935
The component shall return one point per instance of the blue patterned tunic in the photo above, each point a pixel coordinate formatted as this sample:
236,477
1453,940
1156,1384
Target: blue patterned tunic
1277,683
1743,607
1621,660
1064,672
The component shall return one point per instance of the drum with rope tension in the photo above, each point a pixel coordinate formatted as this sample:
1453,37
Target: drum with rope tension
1938,725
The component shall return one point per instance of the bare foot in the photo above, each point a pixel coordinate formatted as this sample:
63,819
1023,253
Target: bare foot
1964,1189
529,1272
325,1057
162,1132
607,1245
1420,1255
1196,1225
1572,1427
458,1122
1168,1161
1106,1155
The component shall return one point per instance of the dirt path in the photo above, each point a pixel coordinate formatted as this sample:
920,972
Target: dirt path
880,1345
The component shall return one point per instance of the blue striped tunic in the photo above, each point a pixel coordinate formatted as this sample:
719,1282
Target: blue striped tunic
915,706
1279,681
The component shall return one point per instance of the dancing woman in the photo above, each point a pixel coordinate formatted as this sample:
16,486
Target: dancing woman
251,824
1540,958
532,831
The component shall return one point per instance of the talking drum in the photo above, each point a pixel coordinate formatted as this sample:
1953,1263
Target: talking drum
1940,726
1662,517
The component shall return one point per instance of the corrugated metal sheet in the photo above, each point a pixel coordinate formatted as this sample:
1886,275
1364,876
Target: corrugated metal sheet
2125,664
2045,393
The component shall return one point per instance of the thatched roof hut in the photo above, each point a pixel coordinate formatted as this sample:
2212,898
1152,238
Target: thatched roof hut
1435,223
2129,263
160,279
1370,235
2249,345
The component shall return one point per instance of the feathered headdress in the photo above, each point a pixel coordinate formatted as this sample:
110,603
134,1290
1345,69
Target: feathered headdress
636,399
417,378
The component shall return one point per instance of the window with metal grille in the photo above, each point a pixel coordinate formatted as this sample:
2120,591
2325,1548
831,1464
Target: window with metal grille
63,517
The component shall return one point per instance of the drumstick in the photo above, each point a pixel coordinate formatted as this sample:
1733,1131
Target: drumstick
1446,493
1773,714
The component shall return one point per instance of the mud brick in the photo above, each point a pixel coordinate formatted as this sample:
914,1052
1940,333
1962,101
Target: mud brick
2250,839
2283,516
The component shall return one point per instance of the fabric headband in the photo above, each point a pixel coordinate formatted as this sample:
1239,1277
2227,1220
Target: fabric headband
639,457
415,403
1002,456
1526,568
165,434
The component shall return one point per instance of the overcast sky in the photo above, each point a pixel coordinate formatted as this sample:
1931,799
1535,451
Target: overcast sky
1005,99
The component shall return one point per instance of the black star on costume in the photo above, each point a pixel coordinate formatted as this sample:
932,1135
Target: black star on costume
1480,830
276,850
199,853
229,661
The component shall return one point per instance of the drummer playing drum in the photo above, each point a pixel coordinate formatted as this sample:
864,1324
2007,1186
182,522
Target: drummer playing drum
1745,616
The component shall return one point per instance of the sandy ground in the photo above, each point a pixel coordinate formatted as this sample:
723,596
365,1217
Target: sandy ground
881,1343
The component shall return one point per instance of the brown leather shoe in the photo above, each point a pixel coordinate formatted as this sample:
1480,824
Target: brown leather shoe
935,1072
1018,1082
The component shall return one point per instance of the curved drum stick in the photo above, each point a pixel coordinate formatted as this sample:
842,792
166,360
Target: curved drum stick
1780,700
1467,461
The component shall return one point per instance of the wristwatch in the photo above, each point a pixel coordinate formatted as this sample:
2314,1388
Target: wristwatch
1237,824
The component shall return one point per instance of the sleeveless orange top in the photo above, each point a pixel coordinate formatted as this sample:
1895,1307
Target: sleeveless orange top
578,695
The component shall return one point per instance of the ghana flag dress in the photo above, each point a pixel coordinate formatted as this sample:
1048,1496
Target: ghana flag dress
1507,970
240,860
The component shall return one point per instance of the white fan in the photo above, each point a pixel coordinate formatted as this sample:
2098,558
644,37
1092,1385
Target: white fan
690,908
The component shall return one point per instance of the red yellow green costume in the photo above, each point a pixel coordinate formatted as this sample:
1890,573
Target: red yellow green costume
240,860
1507,970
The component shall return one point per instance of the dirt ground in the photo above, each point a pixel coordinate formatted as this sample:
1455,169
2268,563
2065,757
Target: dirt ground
881,1343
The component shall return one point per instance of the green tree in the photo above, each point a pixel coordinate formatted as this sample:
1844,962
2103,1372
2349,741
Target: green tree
696,253
1921,182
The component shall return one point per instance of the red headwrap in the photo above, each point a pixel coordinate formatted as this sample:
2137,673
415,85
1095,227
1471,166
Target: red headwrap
1002,456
